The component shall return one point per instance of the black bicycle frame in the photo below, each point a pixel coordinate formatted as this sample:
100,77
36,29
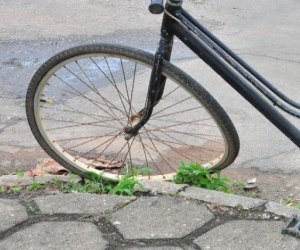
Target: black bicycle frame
244,79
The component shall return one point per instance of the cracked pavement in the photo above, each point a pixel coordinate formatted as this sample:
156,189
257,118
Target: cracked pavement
265,33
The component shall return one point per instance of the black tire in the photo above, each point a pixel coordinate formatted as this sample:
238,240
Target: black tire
188,83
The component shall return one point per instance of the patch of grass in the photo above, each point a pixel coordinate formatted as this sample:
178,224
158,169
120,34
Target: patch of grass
126,186
195,175
21,173
35,185
16,189
136,170
290,202
87,187
97,184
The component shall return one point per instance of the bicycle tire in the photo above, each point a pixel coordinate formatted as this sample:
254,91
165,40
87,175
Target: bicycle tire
191,86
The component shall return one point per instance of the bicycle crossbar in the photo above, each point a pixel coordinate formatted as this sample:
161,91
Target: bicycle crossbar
212,58
213,39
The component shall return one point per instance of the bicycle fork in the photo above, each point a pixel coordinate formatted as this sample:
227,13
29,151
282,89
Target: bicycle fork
157,81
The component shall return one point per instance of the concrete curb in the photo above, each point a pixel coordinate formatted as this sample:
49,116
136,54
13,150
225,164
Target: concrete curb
218,198
169,188
14,180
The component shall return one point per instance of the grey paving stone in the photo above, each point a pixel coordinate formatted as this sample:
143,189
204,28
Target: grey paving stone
279,209
79,203
12,213
160,217
56,235
63,178
246,234
14,180
161,187
221,198
156,248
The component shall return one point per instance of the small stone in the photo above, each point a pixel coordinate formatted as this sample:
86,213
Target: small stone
265,216
252,181
250,186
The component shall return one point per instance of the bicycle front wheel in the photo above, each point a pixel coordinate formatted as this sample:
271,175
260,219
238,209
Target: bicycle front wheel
80,102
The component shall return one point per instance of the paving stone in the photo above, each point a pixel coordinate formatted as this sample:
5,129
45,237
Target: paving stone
279,209
161,187
247,234
12,213
221,198
56,235
63,178
79,203
14,180
156,248
160,217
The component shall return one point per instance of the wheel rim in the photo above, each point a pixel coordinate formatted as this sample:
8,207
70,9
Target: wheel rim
83,105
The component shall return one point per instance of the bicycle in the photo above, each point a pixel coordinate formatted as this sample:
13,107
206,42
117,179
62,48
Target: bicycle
87,111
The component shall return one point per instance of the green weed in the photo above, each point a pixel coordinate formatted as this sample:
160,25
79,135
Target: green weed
16,189
136,171
35,185
97,184
195,175
21,173
126,186
288,201
2,189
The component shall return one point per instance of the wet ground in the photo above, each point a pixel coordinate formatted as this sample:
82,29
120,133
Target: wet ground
264,33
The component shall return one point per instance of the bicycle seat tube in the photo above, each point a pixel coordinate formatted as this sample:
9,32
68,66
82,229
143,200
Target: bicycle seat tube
157,80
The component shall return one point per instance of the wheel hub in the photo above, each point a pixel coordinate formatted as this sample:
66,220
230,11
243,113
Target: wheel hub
133,120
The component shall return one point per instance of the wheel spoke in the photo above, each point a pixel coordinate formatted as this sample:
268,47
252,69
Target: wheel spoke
174,113
85,97
116,87
132,88
173,105
159,152
143,146
101,96
172,137
184,123
175,149
111,140
76,111
94,124
154,163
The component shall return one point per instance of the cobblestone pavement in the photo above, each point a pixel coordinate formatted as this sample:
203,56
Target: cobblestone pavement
168,217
